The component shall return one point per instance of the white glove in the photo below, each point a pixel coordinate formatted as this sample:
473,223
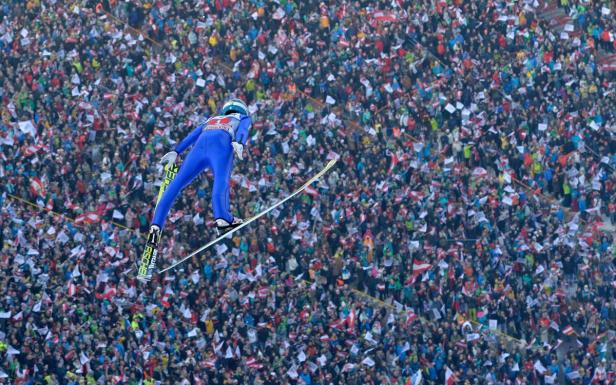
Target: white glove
169,158
238,148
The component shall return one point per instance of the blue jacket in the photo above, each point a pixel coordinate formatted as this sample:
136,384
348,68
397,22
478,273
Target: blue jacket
237,123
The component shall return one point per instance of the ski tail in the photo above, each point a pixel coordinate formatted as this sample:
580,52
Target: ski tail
147,263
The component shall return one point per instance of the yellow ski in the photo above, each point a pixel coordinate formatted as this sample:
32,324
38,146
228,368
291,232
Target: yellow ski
150,253
170,173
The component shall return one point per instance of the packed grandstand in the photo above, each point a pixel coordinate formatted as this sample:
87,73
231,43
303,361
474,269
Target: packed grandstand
465,236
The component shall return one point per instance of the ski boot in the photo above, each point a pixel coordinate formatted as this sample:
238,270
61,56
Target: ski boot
147,265
223,226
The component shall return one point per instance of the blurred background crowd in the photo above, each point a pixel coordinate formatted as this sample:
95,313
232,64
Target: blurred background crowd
465,236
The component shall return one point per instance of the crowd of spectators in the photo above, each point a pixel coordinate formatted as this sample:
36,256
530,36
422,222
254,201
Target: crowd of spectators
597,19
465,235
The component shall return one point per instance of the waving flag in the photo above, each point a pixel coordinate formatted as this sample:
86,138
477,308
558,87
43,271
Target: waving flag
37,187
70,205
384,16
72,289
416,195
109,292
410,317
350,322
449,377
263,292
89,218
394,160
420,267
19,316
337,324
165,300
210,363
333,155
415,378
311,191
480,172
252,363
33,149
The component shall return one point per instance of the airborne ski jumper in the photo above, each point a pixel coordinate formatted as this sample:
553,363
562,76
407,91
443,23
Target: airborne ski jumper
214,143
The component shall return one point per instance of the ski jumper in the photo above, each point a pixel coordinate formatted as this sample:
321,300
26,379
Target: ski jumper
212,149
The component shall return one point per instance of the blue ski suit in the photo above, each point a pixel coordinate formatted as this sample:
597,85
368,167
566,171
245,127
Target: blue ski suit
212,149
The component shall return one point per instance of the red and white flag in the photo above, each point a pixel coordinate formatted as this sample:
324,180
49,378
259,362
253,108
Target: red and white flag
394,160
251,362
416,195
165,300
70,205
72,289
263,292
382,16
311,191
337,324
37,187
110,250
89,218
19,316
410,317
210,363
350,321
33,149
480,172
449,376
109,292
420,267
332,155
568,330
